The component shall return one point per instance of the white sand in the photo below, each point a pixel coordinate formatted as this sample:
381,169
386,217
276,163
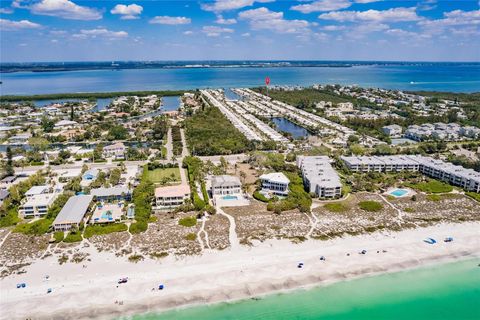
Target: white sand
219,276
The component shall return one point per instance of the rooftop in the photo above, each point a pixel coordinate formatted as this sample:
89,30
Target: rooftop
172,191
74,210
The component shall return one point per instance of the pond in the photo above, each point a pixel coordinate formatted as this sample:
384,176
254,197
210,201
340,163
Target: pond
294,129
170,103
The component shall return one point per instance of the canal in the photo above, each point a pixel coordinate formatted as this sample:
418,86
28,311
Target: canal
294,129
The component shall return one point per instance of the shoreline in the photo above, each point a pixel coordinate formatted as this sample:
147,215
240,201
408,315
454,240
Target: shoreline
224,276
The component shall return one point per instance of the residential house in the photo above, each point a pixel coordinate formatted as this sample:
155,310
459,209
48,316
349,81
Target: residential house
275,183
171,196
226,185
116,151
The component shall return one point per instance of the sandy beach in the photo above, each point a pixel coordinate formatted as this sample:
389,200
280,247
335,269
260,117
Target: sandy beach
90,289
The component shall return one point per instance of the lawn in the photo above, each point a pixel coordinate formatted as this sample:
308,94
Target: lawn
432,186
164,176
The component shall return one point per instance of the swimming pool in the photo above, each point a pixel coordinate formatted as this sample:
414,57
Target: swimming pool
230,198
398,192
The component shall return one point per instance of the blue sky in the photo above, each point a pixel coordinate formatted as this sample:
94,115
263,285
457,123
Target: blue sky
74,30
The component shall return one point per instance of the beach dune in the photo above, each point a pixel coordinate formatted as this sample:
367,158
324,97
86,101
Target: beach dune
243,272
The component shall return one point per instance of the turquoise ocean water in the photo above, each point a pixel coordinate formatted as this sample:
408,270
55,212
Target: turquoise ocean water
441,77
450,291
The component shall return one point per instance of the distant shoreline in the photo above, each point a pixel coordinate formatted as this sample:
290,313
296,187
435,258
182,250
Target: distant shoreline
14,67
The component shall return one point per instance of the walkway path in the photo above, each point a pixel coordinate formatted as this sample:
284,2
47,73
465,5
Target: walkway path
184,143
5,238
169,145
232,233
205,234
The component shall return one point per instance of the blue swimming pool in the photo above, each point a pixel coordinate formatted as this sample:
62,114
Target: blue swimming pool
230,198
399,192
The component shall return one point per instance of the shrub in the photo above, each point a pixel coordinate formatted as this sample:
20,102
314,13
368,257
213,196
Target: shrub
198,203
336,207
188,221
210,209
260,197
191,237
138,227
370,206
93,230
135,258
73,237
58,236
36,228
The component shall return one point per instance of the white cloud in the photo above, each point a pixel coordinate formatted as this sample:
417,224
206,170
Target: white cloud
65,9
390,15
333,28
366,1
262,18
188,32
170,20
224,5
246,34
221,20
131,11
6,10
100,32
454,18
58,32
11,25
54,41
215,31
322,5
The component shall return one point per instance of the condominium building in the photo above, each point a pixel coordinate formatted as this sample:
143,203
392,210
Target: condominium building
319,176
437,169
275,183
72,212
171,196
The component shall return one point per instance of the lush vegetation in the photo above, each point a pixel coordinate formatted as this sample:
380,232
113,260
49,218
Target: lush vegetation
58,236
93,230
370,206
87,95
188,221
195,174
431,186
473,195
177,140
260,197
9,208
297,198
304,98
208,132
35,228
73,236
142,198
